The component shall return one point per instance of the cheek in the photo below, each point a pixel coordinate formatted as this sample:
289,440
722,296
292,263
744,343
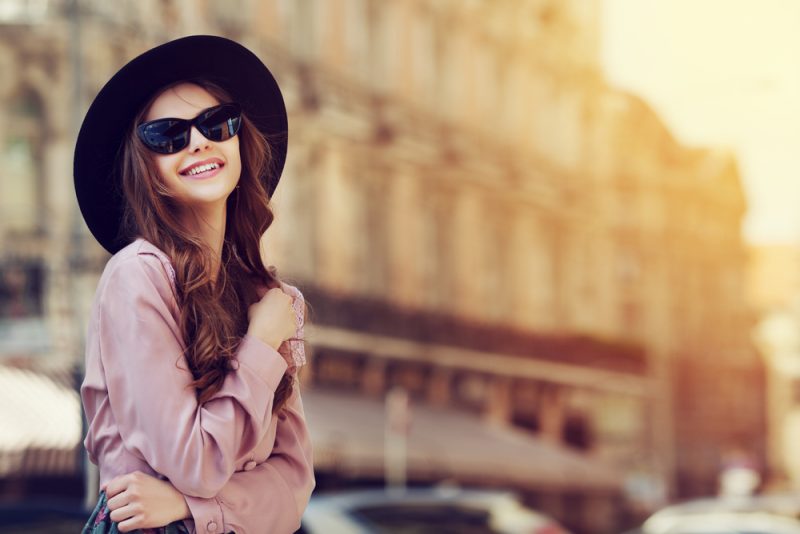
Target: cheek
167,167
234,157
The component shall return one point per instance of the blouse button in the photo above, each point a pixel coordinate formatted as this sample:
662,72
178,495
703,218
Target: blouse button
212,526
249,465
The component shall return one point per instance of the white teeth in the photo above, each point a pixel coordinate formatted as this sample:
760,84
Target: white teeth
202,168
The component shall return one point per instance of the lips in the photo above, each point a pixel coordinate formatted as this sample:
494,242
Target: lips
202,168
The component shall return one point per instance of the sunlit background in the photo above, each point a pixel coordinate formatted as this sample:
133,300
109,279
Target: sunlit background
550,246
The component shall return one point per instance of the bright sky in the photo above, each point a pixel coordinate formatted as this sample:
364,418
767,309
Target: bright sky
721,72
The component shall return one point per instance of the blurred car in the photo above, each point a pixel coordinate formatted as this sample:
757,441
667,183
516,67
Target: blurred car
760,514
424,511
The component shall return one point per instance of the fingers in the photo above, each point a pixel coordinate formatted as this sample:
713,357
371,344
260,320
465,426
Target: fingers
128,516
125,513
286,288
118,501
287,294
121,483
116,485
130,524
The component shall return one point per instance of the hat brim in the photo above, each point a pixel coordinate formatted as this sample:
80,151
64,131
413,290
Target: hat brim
216,59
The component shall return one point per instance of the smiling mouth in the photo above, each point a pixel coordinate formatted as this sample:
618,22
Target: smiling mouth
201,169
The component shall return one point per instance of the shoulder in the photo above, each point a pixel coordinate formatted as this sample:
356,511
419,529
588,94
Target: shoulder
138,267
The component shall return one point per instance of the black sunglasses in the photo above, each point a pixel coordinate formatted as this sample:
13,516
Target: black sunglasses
168,136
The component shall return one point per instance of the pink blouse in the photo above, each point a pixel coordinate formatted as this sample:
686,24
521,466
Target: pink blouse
240,467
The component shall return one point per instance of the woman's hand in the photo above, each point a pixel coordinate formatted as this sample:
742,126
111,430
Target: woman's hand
137,500
272,319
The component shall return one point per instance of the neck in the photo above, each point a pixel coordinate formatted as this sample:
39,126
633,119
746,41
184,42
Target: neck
208,223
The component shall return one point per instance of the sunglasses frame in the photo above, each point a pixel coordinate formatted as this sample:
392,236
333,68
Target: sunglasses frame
187,125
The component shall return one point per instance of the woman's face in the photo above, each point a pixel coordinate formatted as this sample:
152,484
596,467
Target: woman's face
205,189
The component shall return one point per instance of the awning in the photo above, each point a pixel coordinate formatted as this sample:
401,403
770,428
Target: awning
41,428
347,432
40,423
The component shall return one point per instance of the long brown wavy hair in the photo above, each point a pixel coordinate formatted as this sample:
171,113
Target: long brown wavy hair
213,316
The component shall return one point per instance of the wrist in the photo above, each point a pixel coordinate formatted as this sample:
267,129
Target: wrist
266,340
186,513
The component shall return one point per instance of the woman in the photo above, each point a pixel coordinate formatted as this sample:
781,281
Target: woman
194,416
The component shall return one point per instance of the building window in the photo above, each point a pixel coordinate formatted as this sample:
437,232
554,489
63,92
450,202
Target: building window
525,404
412,378
21,189
339,370
578,432
23,332
470,391
24,11
21,290
796,391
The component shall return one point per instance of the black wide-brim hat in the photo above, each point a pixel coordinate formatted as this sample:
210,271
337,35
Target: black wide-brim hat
215,59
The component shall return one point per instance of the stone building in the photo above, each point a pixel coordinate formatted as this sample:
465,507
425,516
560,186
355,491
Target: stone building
774,289
472,214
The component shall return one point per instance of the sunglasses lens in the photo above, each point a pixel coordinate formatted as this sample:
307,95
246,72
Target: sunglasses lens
220,123
165,136
168,136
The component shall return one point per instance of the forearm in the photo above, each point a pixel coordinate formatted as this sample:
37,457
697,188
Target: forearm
274,494
254,501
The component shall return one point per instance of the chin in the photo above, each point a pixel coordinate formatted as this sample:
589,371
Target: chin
206,200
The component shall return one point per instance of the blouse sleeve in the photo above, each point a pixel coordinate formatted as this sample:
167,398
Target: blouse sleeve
159,419
274,494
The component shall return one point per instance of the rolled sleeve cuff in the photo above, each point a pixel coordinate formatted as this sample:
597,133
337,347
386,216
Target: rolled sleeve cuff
266,362
207,515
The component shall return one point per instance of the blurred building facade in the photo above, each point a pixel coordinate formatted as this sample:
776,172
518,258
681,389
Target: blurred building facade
471,212
774,290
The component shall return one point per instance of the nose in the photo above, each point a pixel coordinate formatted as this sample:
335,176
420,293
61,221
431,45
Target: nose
197,141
